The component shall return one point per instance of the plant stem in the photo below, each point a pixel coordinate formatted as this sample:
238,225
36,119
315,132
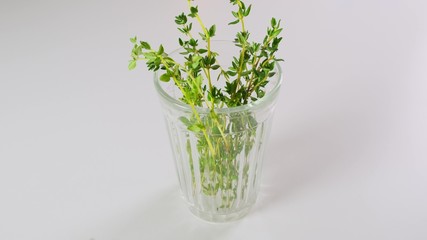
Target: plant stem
208,41
192,107
243,51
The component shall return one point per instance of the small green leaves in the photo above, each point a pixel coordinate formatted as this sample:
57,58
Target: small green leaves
241,38
216,131
230,87
247,11
196,61
276,33
181,19
241,12
204,36
133,40
192,124
186,29
192,42
194,11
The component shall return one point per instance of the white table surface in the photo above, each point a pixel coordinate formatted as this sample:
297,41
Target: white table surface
84,153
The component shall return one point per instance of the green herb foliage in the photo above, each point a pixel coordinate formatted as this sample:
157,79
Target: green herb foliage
221,139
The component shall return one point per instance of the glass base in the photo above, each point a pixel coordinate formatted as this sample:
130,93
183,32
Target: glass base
218,217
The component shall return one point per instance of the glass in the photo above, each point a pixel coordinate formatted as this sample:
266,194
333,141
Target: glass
219,170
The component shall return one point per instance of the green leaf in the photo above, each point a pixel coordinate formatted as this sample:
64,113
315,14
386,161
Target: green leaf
145,45
245,73
161,50
247,11
165,77
215,130
273,22
276,32
203,36
260,93
215,67
232,73
134,55
195,128
132,64
133,40
196,61
234,22
185,121
231,87
189,27
150,56
252,122
212,31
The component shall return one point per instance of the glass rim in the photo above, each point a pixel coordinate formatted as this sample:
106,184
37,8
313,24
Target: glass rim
186,107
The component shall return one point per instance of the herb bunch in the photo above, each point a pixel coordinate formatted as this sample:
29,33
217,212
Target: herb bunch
245,78
220,139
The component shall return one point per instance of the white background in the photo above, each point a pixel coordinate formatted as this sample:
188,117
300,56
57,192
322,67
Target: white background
83,148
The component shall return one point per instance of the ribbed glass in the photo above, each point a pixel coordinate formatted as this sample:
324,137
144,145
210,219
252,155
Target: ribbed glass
219,170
